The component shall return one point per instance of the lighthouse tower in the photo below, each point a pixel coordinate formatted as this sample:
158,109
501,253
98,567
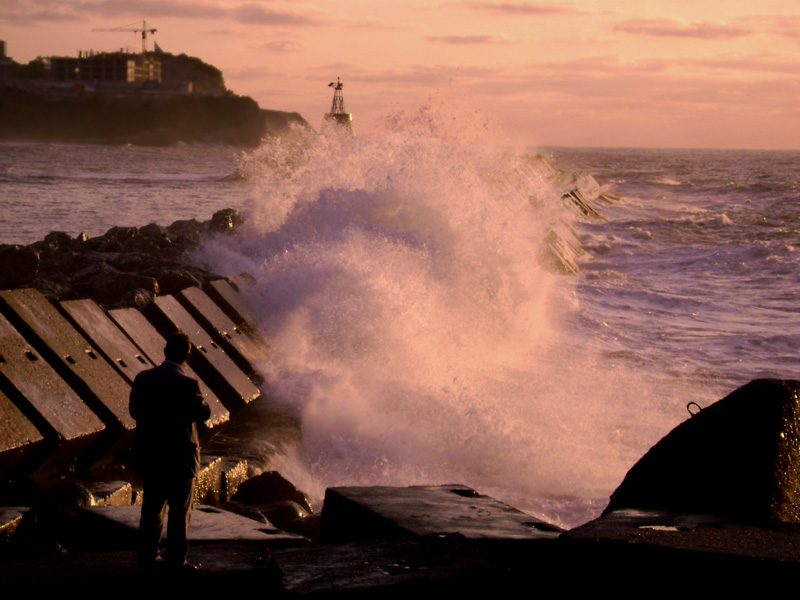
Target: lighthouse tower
338,120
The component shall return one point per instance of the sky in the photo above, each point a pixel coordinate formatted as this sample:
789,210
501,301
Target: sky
644,73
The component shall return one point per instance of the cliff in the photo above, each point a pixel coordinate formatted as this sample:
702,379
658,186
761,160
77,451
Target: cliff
145,118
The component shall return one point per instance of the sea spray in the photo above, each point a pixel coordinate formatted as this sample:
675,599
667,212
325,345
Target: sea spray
415,334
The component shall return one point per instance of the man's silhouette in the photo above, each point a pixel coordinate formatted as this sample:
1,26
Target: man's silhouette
167,406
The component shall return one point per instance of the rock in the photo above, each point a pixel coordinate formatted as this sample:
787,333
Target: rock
52,524
283,512
175,280
153,230
739,457
245,511
187,227
268,487
120,234
19,265
58,239
309,527
225,220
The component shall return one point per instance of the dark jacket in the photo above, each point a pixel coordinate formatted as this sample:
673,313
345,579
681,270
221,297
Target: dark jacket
167,405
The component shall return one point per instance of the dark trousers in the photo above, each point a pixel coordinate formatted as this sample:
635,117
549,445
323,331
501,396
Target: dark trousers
161,491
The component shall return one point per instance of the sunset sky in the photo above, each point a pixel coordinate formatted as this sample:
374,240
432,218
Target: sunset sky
582,73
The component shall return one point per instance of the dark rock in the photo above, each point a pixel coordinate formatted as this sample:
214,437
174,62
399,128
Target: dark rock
225,220
268,487
309,527
121,234
58,239
153,230
282,512
250,512
52,524
739,457
112,245
18,265
140,298
185,227
175,280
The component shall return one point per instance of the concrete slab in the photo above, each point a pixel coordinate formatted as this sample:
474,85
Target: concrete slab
228,381
10,517
18,436
152,343
96,381
53,407
243,349
208,524
207,483
112,493
358,513
97,327
707,534
231,302
234,473
218,479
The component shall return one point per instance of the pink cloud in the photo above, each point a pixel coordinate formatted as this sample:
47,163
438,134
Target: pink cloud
283,46
461,40
669,28
518,8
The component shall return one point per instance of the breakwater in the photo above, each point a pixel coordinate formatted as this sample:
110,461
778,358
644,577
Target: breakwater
417,547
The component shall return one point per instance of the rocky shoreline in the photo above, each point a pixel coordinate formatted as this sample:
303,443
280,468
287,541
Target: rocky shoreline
125,267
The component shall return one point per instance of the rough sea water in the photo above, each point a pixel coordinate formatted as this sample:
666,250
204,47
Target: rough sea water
417,336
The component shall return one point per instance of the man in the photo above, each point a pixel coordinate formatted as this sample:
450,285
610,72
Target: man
167,405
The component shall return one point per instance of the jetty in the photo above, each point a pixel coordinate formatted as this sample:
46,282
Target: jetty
716,503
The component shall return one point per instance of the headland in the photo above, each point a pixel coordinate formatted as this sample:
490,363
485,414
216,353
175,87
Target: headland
111,98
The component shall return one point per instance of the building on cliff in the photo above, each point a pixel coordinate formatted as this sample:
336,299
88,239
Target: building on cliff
105,67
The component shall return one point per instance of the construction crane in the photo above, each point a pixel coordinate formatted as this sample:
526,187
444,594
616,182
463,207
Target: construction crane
143,29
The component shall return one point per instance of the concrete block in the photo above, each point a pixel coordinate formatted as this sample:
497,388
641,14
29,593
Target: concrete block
228,381
93,323
359,513
739,457
18,436
208,525
112,493
53,407
96,381
10,518
244,350
231,302
208,481
152,343
234,473
652,535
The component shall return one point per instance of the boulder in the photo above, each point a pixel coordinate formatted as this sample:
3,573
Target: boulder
18,265
269,487
225,220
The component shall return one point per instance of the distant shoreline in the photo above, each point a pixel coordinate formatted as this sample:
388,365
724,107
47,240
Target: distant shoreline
140,119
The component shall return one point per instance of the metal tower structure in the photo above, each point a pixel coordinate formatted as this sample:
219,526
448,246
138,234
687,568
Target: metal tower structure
338,119
337,108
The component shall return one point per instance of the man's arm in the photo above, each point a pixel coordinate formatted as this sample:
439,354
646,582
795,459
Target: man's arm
202,411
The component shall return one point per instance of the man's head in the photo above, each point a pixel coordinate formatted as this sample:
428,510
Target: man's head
178,347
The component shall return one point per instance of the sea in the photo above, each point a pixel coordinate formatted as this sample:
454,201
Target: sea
419,337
